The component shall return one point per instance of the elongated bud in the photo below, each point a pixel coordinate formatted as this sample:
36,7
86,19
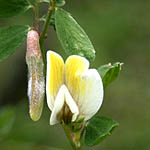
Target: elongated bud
36,82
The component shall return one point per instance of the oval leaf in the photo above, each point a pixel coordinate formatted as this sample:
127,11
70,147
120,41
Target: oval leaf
98,129
10,8
7,118
72,37
109,72
59,3
44,1
11,38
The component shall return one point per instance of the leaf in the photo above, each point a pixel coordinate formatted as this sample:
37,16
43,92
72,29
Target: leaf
109,72
10,8
98,129
72,37
44,1
7,118
11,38
59,3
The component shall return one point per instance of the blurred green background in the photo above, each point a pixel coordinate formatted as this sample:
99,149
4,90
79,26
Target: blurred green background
120,31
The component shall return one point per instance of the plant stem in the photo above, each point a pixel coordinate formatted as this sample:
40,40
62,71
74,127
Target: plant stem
43,33
36,16
70,137
50,12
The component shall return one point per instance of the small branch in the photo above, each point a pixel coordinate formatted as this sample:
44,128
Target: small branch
36,16
43,34
50,12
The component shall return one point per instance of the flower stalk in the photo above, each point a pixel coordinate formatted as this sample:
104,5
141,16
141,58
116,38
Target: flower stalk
74,137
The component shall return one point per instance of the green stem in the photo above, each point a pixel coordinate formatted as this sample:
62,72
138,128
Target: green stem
50,12
70,136
43,34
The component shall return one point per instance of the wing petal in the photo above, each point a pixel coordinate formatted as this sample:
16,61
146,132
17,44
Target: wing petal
85,85
91,98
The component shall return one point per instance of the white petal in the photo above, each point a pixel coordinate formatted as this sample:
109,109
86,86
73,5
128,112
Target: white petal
85,85
63,97
91,97
72,105
58,105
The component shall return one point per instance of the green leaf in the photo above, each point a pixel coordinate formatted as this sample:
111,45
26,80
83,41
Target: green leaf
10,8
72,37
109,72
98,129
59,3
7,118
11,38
44,1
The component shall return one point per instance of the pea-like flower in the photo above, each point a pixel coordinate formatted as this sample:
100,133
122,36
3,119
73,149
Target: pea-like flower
73,90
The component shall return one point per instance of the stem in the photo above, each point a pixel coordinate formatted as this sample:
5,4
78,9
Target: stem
36,16
43,34
50,12
70,136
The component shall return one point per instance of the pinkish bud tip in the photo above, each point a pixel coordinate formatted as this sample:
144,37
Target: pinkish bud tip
33,47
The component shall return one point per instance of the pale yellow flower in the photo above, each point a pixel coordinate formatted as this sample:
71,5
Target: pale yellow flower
72,88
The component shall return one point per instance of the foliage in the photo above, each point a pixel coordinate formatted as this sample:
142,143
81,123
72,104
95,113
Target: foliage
73,38
109,72
7,118
11,38
98,129
10,8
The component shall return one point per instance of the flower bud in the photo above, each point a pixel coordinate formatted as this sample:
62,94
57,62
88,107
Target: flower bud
36,81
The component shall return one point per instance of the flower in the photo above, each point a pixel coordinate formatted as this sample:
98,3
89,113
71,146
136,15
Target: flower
73,90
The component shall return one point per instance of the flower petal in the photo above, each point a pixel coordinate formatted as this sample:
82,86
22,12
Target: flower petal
91,97
58,105
85,85
55,76
62,98
71,103
74,67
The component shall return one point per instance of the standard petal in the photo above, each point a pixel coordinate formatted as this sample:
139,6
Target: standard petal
91,97
74,67
55,76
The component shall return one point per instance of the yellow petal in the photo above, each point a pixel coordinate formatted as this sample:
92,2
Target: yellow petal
55,76
74,67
